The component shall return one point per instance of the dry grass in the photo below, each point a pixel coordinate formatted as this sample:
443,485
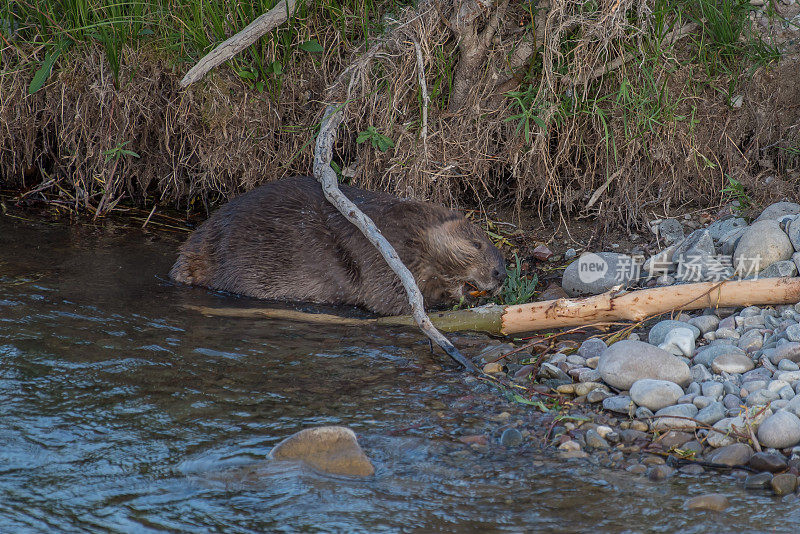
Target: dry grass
652,133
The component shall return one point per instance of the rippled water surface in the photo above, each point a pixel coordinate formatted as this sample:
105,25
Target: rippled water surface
120,410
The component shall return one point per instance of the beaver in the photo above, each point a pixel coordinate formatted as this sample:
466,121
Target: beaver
284,240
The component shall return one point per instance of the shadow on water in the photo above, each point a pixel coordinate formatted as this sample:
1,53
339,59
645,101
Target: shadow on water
122,411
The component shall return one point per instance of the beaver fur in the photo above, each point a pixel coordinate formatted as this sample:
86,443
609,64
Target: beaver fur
284,240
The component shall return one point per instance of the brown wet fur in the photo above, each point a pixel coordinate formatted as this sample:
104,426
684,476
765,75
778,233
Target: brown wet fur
284,240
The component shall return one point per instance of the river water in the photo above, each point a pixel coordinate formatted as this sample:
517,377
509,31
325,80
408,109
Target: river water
122,411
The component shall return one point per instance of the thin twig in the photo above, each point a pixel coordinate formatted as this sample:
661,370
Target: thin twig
148,217
423,85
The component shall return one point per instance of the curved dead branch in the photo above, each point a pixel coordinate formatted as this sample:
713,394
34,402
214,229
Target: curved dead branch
325,175
249,35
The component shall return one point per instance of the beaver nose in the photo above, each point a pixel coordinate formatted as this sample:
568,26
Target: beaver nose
499,275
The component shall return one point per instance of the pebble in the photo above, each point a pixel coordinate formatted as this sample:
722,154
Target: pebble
692,469
674,439
511,437
711,414
660,472
712,389
659,332
625,362
731,455
700,373
629,435
681,411
595,440
679,341
700,401
655,394
604,430
570,455
707,355
732,363
729,241
636,469
718,229
711,501
757,481
780,430
767,461
330,449
671,231
570,445
705,323
591,348
619,404
783,483
584,388
793,231
762,244
751,341
779,269
493,368
597,395
761,397
731,401
788,365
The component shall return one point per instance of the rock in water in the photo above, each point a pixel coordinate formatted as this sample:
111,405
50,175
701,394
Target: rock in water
710,501
330,449
511,437
732,455
625,362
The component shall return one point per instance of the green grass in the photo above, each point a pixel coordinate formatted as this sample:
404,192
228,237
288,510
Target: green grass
185,30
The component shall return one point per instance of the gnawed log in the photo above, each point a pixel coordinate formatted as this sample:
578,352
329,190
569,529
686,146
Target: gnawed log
549,314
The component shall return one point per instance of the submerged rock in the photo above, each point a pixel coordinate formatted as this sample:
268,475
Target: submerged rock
330,449
711,501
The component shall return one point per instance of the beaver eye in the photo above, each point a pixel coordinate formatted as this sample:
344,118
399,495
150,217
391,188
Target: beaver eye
477,244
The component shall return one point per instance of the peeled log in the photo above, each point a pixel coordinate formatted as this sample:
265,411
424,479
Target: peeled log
550,314
639,305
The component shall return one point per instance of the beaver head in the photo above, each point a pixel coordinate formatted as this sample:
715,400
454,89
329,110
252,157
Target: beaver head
454,259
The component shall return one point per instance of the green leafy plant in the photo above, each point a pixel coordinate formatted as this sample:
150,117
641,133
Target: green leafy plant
377,139
517,288
119,151
734,191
